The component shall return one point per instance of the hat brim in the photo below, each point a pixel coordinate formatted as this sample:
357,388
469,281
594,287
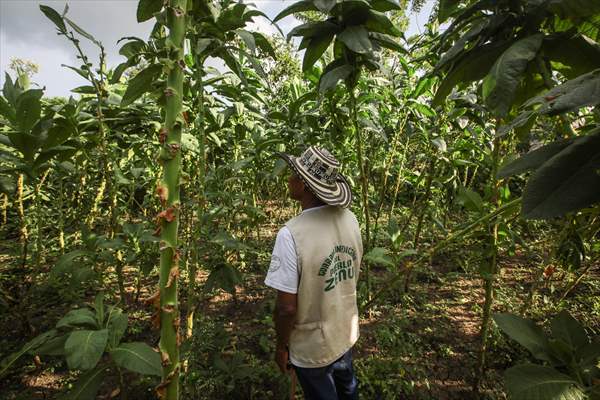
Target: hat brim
336,194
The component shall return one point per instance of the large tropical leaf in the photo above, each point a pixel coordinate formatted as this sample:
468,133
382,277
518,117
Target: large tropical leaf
300,6
534,159
312,29
570,96
538,382
525,332
574,9
29,108
356,38
141,84
573,55
567,329
460,44
29,347
147,8
82,317
386,41
87,385
315,49
330,78
501,83
567,182
385,5
83,349
137,357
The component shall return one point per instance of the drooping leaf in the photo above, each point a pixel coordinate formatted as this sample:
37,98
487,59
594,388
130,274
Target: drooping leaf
29,347
82,32
29,108
472,66
525,332
356,38
54,16
324,5
379,22
460,44
225,277
534,159
567,329
300,6
141,84
315,49
570,96
566,182
574,9
87,385
147,8
137,357
387,42
9,90
329,79
53,347
264,44
312,29
576,55
379,256
82,317
83,349
538,382
385,5
446,8
501,83
470,199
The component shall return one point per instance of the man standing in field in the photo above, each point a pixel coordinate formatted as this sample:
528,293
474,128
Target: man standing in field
314,267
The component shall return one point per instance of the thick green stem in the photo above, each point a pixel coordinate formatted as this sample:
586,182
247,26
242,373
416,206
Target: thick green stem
364,184
61,216
489,277
169,193
201,169
24,235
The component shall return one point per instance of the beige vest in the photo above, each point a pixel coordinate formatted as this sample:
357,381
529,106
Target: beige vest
329,250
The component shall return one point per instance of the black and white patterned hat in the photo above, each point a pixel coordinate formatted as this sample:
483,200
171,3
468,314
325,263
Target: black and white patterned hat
319,170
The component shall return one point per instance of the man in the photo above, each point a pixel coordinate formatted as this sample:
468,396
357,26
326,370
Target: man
314,267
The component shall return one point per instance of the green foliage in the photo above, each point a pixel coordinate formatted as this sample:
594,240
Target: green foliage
572,359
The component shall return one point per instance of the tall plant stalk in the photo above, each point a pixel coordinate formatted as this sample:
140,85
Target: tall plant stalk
23,233
201,170
168,191
364,183
490,277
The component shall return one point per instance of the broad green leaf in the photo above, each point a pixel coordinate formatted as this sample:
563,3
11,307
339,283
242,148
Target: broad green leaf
567,182
385,5
329,80
87,385
324,5
569,330
82,317
54,16
501,83
460,44
263,43
29,108
137,357
7,111
538,382
589,355
379,256
7,185
66,262
53,347
575,55
315,49
300,6
580,92
356,38
472,66
29,347
86,89
446,8
9,90
141,84
147,8
525,332
312,29
534,159
386,41
26,143
116,322
83,349
248,39
225,277
379,22
118,72
132,48
470,199
574,9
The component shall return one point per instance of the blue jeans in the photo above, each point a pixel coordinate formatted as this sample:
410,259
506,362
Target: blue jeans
335,381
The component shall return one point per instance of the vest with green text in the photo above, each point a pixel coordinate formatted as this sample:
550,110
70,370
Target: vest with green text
329,251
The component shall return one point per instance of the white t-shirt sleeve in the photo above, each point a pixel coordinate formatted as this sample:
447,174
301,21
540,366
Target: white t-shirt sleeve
283,270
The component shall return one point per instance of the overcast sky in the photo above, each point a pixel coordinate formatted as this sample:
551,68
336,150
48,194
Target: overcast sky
26,33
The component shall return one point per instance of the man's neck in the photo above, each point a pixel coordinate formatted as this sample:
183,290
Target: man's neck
311,203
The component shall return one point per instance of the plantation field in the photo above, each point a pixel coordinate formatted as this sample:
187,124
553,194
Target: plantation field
138,212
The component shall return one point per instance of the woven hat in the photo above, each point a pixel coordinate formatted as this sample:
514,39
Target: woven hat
319,170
